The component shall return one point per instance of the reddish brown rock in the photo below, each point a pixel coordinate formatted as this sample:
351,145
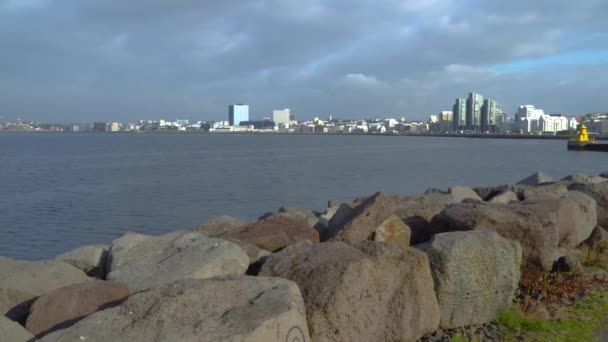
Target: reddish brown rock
273,233
368,216
63,307
371,291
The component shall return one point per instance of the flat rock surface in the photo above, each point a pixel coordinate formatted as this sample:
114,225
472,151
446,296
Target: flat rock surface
11,331
90,259
253,309
219,225
22,281
142,261
273,233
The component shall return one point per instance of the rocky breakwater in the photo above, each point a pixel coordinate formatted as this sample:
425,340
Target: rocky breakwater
378,268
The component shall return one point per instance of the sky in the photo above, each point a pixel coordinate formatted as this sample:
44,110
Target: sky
89,60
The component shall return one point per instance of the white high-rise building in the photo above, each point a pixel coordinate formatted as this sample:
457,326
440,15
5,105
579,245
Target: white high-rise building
282,116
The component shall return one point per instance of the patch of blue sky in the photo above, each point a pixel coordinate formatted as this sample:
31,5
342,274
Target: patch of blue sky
583,57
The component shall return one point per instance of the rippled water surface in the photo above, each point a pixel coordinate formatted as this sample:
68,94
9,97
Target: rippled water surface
60,191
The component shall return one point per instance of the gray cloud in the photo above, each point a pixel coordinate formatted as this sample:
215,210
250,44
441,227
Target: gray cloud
85,60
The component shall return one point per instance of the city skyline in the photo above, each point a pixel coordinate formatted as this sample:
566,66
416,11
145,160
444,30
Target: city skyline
95,60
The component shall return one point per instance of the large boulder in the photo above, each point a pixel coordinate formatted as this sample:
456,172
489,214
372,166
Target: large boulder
253,309
575,215
303,214
11,331
219,225
273,233
597,180
604,174
368,216
505,197
63,307
371,292
143,261
90,259
553,190
23,281
418,211
538,236
476,274
460,193
342,213
393,230
535,179
599,192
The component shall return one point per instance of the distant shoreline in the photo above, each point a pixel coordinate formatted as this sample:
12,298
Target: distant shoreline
447,135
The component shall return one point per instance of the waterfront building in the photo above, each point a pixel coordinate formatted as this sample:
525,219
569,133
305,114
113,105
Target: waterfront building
573,123
446,122
474,104
282,116
237,113
100,127
552,124
488,116
527,118
460,115
114,127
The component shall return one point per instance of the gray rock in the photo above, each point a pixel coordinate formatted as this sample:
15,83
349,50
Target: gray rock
504,197
13,332
329,213
553,190
90,259
254,253
575,216
22,281
418,211
219,225
597,180
538,237
536,179
577,178
302,214
237,309
460,193
142,261
599,192
385,288
475,273
338,219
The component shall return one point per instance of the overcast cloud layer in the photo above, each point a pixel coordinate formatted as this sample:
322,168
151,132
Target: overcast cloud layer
85,60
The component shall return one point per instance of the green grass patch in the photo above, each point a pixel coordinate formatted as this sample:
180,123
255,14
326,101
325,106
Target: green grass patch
582,322
459,338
